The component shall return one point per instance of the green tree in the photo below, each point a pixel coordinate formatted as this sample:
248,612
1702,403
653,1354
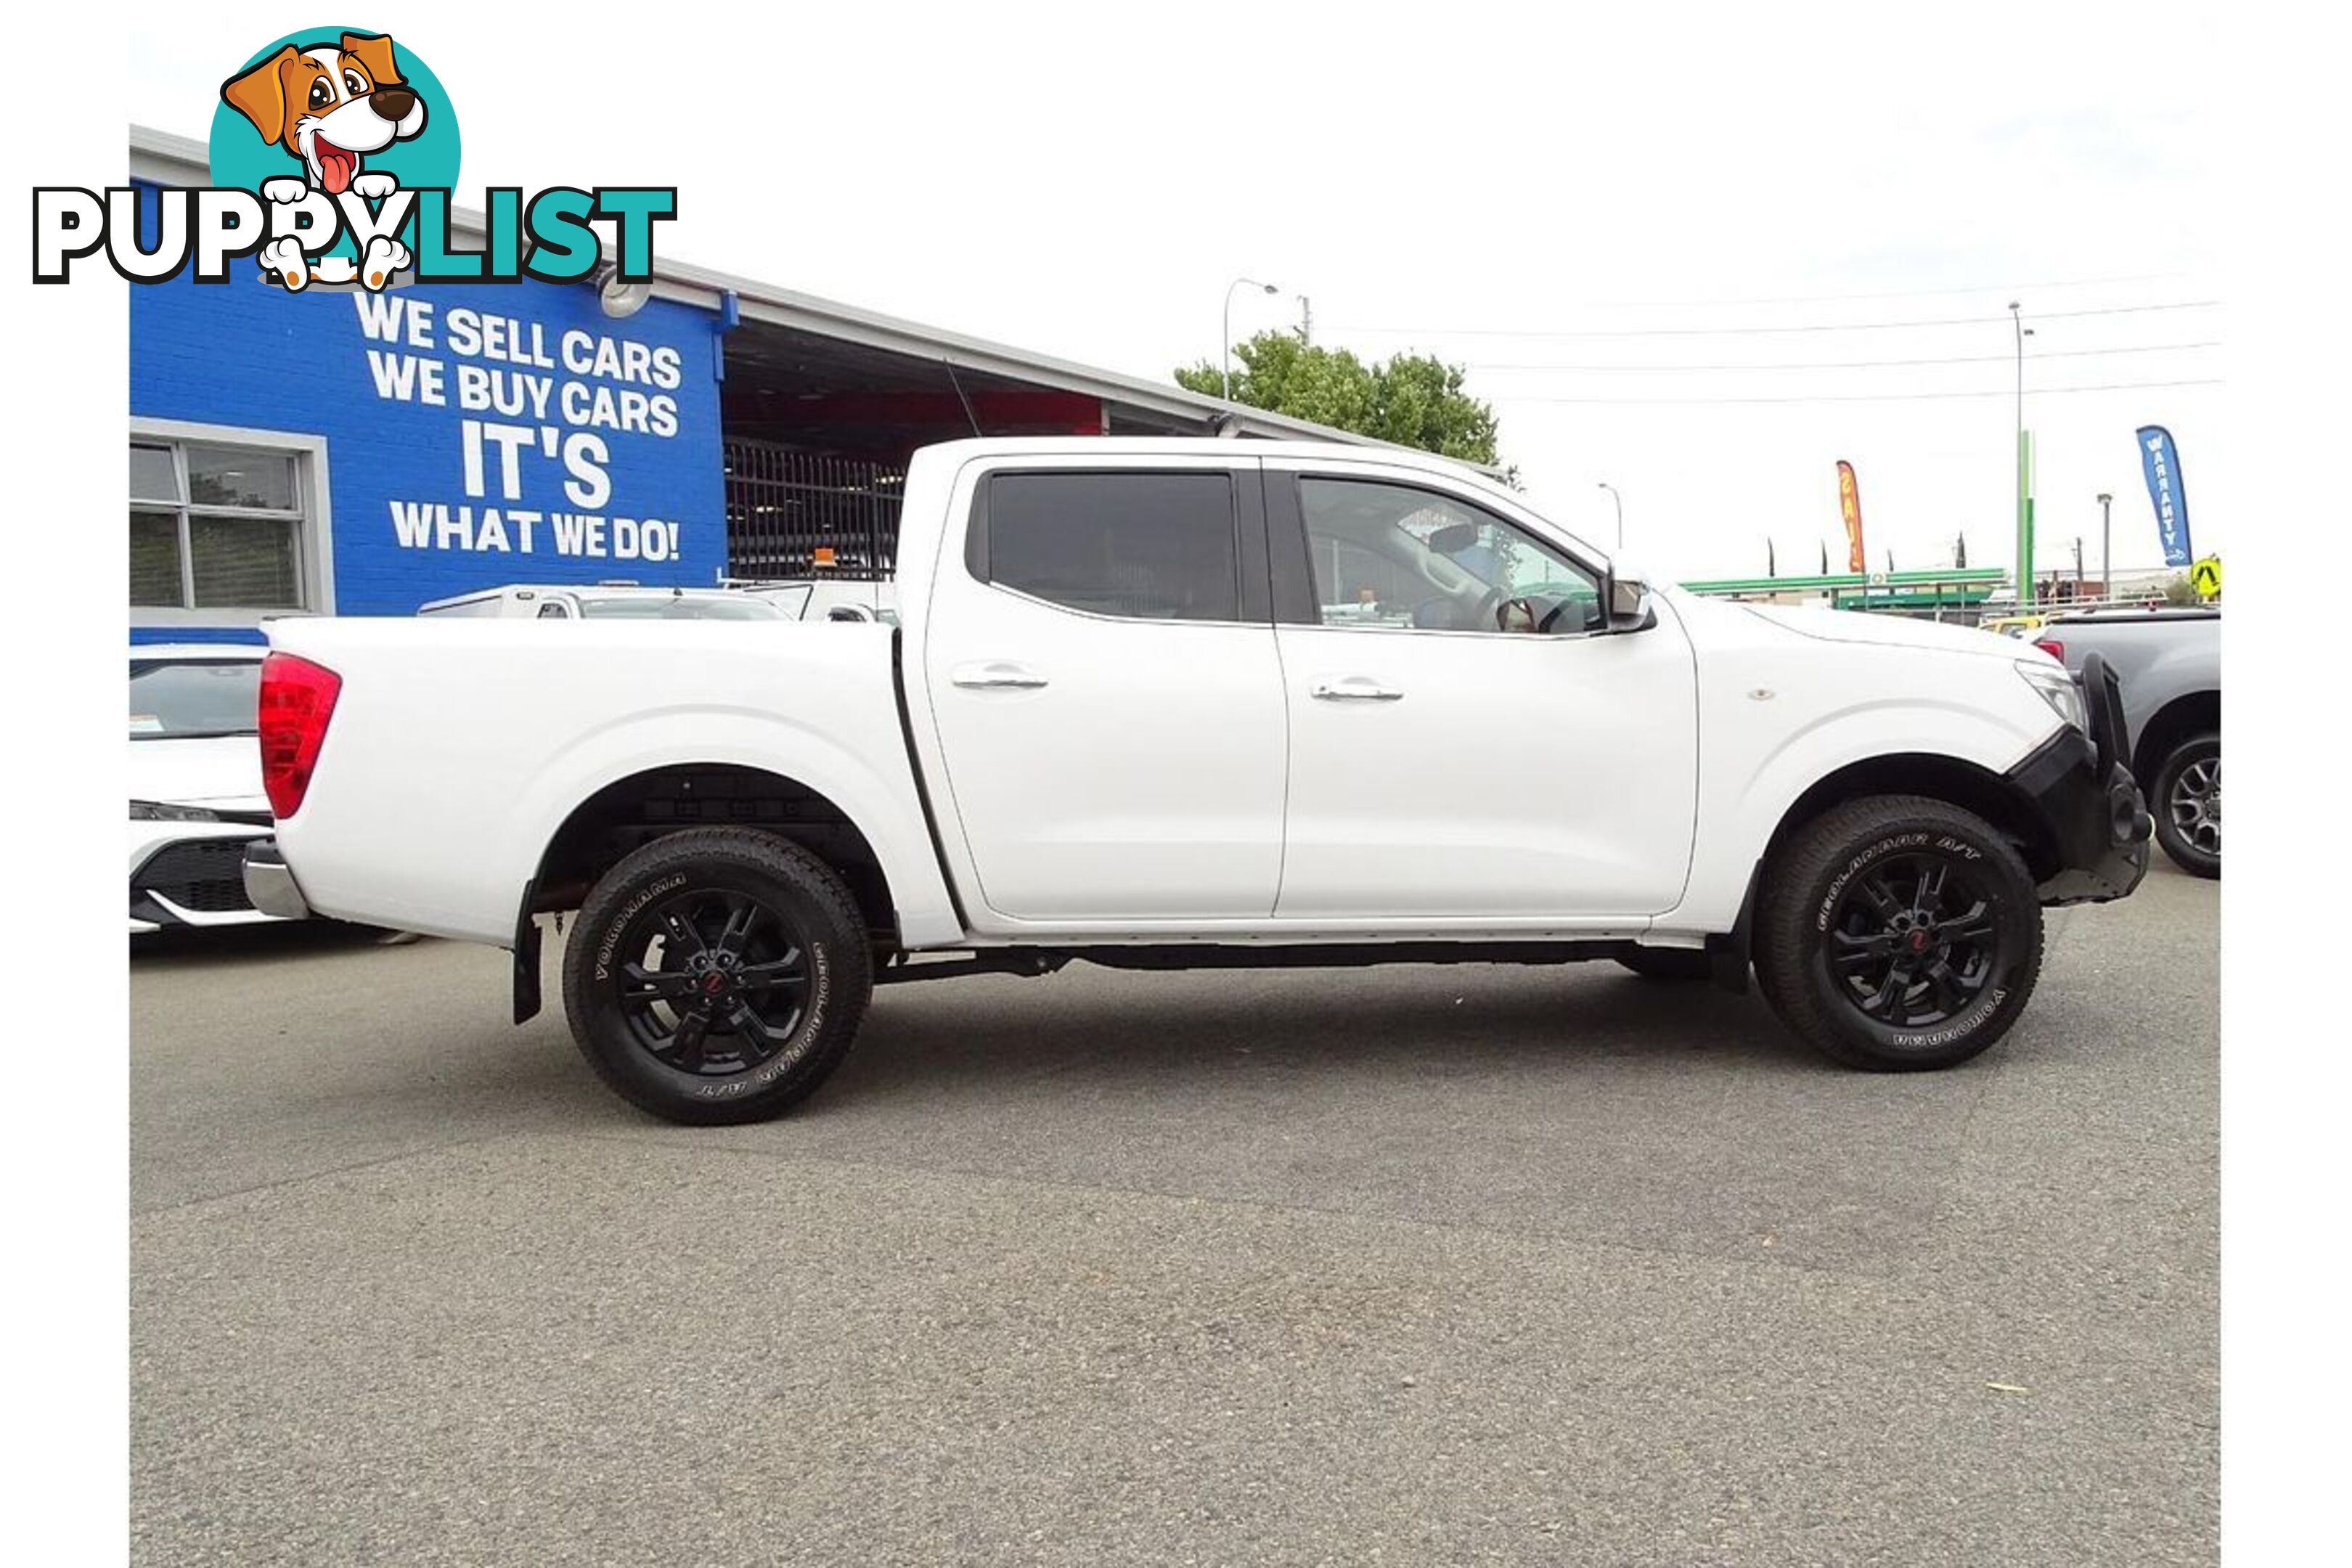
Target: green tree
1415,400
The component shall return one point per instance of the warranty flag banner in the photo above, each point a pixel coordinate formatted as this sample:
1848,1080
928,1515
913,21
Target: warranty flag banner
2159,460
1849,503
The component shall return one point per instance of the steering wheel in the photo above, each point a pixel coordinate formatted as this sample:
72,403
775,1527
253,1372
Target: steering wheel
1553,615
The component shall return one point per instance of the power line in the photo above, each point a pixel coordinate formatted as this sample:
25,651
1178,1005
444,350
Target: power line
1743,332
1845,364
2010,288
1867,397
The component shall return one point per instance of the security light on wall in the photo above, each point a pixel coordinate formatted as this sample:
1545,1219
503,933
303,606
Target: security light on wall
615,297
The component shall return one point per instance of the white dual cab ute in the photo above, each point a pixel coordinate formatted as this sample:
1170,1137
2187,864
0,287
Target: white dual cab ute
1188,704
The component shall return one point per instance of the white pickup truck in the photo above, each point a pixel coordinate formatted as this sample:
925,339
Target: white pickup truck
1179,704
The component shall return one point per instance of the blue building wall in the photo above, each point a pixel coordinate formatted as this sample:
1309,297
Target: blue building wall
618,471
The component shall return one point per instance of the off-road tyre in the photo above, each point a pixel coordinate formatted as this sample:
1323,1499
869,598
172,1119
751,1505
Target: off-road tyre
676,902
1819,934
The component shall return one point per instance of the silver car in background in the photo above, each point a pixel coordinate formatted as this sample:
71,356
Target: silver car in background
2169,662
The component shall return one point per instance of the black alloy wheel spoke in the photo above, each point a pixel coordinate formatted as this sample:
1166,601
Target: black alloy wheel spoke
1881,898
1947,985
1930,896
1897,956
640,984
1854,951
1891,994
784,970
688,941
686,1044
1971,924
741,913
752,1027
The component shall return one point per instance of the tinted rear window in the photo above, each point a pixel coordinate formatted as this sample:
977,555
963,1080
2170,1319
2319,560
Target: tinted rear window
1151,546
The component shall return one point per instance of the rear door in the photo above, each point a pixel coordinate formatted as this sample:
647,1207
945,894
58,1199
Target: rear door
1101,670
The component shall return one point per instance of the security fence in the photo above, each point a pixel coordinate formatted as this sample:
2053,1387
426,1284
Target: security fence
786,507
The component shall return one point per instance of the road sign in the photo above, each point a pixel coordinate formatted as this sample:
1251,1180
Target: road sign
2206,577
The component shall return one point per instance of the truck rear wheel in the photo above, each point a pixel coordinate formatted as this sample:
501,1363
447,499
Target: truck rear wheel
2186,804
1898,933
717,975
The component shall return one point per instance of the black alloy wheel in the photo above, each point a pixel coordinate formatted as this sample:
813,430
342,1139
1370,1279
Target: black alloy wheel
712,981
1911,939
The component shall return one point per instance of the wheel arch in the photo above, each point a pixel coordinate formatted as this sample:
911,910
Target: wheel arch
2191,713
651,803
1953,780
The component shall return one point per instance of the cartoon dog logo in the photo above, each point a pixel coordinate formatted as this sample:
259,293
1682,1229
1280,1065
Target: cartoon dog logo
330,105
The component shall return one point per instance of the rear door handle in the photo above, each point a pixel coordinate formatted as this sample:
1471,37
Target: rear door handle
1354,689
997,675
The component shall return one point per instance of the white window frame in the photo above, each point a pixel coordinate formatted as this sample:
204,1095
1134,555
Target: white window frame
315,531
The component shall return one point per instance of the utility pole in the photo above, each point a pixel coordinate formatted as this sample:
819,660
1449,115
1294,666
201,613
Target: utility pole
2107,538
1306,321
1226,330
2024,470
2078,566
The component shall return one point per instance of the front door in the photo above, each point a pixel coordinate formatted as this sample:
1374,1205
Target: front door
1467,741
1101,668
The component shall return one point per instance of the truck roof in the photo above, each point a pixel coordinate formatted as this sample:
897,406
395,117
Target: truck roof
1204,445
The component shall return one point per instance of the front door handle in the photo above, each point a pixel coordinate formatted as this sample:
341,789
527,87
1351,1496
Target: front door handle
997,675
1354,689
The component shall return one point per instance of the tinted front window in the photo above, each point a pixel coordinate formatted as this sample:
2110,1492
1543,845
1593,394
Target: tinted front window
183,698
1152,546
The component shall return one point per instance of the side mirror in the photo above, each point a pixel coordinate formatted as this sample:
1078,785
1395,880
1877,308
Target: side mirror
1624,593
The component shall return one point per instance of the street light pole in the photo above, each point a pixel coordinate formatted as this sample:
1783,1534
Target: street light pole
1227,329
1620,512
2024,496
2106,537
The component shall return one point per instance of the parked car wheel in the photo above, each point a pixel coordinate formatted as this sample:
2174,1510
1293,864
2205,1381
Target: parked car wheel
717,975
1668,963
2188,804
1898,933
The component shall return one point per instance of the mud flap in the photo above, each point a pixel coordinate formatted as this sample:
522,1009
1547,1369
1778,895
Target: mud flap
526,959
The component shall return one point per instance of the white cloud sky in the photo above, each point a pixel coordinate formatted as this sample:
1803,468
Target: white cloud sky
1461,178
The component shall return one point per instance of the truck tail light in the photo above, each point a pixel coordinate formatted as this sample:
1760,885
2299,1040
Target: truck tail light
2053,647
298,697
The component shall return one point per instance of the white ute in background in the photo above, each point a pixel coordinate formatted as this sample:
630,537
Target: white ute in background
195,783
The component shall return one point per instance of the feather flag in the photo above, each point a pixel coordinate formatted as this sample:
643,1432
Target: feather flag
1850,504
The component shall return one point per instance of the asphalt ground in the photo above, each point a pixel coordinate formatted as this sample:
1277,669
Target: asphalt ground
1403,1264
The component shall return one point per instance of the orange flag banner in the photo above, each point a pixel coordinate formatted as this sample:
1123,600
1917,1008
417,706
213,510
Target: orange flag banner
1849,503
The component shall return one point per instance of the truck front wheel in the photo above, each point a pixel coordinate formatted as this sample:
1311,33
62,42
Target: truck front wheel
717,975
1898,933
